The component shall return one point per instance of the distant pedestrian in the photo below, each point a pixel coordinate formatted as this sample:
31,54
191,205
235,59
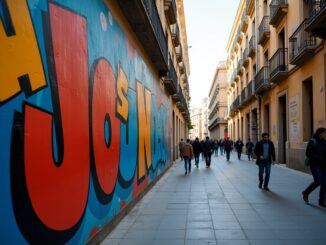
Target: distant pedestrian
221,145
181,143
227,148
208,150
188,154
216,146
316,153
238,146
265,153
197,150
250,147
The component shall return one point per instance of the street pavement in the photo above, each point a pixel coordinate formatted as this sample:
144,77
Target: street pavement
223,205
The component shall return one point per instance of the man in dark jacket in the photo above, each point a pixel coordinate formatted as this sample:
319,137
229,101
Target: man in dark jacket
208,150
197,150
265,153
238,146
227,148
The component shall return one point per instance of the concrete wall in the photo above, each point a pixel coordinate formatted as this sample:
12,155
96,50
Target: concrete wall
84,124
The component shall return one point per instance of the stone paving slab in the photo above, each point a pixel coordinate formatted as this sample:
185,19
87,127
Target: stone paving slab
223,205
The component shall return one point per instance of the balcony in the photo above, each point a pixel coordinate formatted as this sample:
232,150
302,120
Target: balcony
262,80
145,21
245,57
317,20
252,47
278,9
243,101
240,69
250,93
239,35
171,79
264,31
179,53
177,97
244,22
250,6
170,9
279,66
302,45
175,35
182,68
236,104
216,122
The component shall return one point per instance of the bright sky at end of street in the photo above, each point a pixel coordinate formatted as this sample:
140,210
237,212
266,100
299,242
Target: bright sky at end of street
208,24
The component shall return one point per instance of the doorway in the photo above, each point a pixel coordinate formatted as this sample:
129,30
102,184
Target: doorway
307,110
266,119
254,126
282,129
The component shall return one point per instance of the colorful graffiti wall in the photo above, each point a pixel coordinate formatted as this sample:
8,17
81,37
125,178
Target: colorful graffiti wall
84,124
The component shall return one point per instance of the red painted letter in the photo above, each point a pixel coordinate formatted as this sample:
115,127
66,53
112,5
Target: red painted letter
59,193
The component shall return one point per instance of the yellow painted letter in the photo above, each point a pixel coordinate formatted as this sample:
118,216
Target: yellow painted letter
122,89
144,130
20,62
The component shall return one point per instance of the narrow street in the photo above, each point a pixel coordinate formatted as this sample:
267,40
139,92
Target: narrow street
223,205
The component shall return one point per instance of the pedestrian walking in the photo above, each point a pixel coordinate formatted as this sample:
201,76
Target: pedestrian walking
265,153
221,145
238,146
316,154
216,146
188,154
181,143
227,148
197,150
208,150
250,147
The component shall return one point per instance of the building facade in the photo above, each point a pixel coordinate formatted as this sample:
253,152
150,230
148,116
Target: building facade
196,121
217,108
204,106
93,101
276,73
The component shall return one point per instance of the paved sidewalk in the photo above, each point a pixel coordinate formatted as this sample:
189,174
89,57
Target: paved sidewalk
223,205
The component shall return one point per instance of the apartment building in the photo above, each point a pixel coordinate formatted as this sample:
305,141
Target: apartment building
93,102
276,74
217,108
196,122
204,106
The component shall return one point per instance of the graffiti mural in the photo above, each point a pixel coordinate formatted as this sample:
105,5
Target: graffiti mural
84,124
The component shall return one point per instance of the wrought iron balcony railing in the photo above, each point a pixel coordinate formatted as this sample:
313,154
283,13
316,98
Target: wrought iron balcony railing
170,9
302,45
264,31
262,80
317,20
145,21
252,46
175,34
278,9
245,57
171,79
279,65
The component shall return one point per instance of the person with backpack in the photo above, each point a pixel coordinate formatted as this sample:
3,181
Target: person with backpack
227,148
208,150
265,152
250,147
316,159
239,145
188,154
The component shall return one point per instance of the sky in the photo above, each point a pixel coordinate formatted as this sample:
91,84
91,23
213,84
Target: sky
208,24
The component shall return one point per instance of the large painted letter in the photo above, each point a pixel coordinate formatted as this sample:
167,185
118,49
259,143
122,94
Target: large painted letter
144,130
20,62
122,102
57,190
106,148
